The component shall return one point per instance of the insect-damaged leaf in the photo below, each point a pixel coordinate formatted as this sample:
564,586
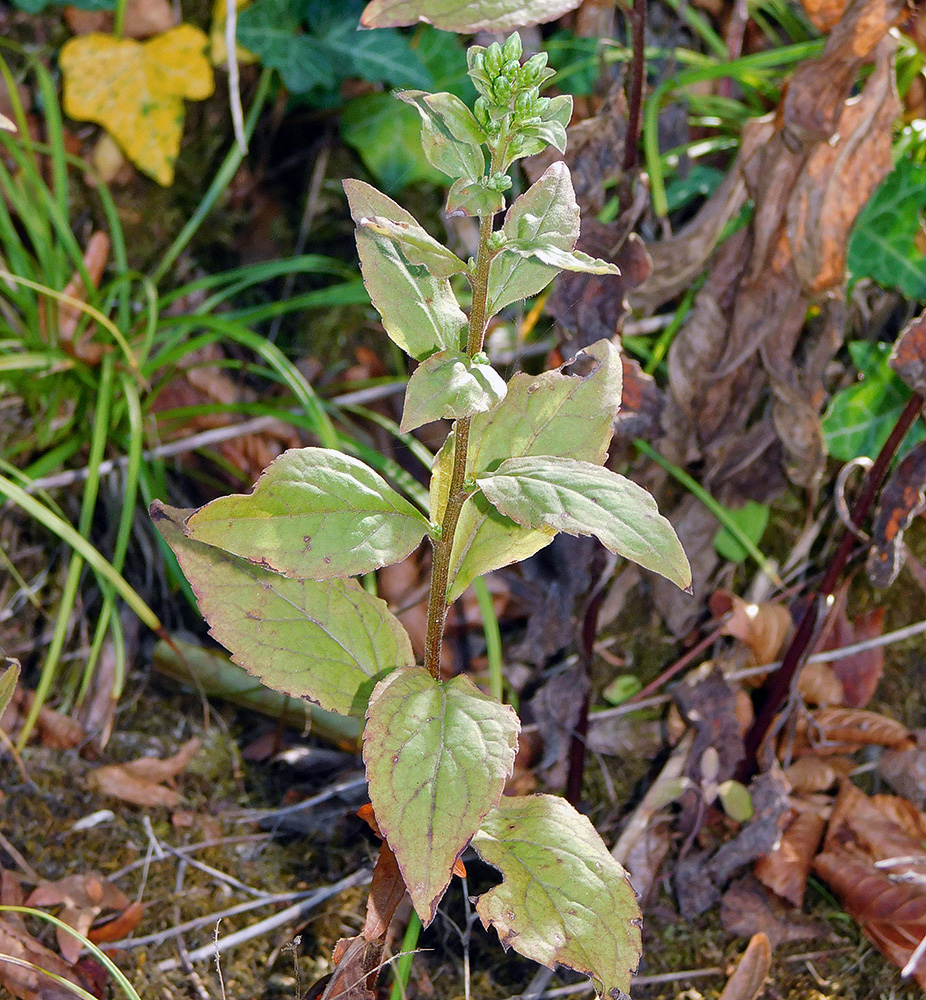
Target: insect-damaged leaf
547,414
313,514
582,498
450,384
564,899
546,214
476,15
327,641
418,246
136,90
437,757
420,312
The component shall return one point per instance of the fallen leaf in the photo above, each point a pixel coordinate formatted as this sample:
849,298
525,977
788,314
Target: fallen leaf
762,627
905,770
136,90
751,972
17,942
142,19
903,497
816,774
824,730
748,908
139,781
860,672
119,927
785,869
818,685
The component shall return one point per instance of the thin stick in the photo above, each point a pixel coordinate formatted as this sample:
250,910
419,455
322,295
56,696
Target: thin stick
234,81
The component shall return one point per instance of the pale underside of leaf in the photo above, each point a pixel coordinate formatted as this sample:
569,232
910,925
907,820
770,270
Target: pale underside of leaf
326,641
547,414
437,756
464,16
582,498
563,898
314,514
565,260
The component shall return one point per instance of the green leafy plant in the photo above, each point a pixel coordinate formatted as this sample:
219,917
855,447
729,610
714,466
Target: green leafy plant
274,571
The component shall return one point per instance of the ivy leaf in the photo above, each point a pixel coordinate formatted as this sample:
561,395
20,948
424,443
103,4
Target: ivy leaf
326,641
442,124
450,384
547,414
135,90
582,498
418,246
314,514
564,899
563,260
420,312
437,756
473,198
466,18
546,214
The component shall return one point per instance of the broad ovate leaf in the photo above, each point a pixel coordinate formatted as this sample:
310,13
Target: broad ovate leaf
454,145
563,899
327,641
419,311
314,514
418,246
547,414
466,18
135,90
437,756
546,214
450,384
477,198
582,498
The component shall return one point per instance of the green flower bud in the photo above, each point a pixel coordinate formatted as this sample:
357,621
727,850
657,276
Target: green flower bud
493,60
475,58
503,89
511,51
498,182
524,105
481,111
481,358
497,240
541,105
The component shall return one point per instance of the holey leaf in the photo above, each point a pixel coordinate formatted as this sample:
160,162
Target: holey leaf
135,90
581,498
326,641
420,312
466,18
547,414
450,384
437,756
563,899
314,514
547,214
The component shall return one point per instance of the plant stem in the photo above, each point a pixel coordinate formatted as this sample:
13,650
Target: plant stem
457,495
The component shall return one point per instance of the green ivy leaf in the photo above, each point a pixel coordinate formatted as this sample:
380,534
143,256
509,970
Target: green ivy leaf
420,312
314,514
450,384
272,30
564,899
582,498
418,246
563,260
546,414
474,198
548,214
437,756
326,641
448,141
466,18
883,240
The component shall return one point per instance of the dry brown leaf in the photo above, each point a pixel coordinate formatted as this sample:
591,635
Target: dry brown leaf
819,686
751,971
785,869
762,627
905,770
139,781
748,908
143,18
17,942
120,926
816,774
858,673
822,731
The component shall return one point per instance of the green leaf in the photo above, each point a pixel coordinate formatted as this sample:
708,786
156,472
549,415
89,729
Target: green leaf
314,514
327,641
8,681
473,198
420,312
272,30
437,756
582,498
547,213
550,131
453,113
418,246
563,260
751,519
883,243
622,688
450,384
736,800
564,899
441,128
466,18
861,416
546,414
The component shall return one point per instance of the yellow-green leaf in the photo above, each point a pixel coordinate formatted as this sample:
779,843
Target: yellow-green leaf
135,90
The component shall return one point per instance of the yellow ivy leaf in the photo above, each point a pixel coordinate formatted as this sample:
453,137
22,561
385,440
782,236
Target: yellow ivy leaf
135,90
217,35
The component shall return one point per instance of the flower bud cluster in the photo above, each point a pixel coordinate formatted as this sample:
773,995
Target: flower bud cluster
509,93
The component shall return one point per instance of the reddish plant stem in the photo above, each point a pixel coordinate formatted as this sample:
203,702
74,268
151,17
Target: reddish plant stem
776,690
637,18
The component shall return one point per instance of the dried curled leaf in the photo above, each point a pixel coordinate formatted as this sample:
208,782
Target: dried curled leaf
824,730
785,869
762,627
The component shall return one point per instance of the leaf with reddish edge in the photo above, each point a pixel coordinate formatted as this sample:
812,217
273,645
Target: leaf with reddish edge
464,17
564,899
437,756
327,641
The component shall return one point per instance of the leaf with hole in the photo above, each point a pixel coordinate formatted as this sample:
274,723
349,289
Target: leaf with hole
437,757
314,514
328,641
452,385
563,898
